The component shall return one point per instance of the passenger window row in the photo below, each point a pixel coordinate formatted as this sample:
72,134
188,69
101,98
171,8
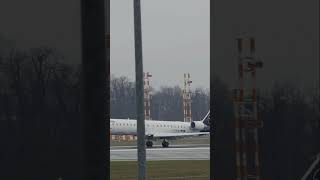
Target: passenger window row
169,126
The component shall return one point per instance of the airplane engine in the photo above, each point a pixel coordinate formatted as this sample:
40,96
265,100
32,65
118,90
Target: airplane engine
197,125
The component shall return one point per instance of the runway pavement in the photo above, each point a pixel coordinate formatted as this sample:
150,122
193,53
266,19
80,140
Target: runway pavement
177,152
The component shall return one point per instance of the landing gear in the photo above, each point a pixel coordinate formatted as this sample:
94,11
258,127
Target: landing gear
149,144
165,143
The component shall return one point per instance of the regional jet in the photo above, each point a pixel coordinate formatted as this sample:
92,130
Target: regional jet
164,130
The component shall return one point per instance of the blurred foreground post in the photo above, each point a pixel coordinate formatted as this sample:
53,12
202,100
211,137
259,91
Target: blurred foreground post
93,102
139,91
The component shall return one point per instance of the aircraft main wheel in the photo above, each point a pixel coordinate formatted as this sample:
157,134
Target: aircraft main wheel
165,144
149,144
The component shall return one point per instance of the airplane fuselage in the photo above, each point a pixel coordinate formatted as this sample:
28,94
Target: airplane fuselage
129,127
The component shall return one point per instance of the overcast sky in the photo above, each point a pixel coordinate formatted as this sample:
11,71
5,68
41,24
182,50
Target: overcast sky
176,36
175,40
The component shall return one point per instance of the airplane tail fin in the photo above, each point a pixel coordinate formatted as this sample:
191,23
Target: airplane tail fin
206,119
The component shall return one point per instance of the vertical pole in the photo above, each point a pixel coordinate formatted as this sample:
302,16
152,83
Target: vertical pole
139,91
184,99
107,120
93,107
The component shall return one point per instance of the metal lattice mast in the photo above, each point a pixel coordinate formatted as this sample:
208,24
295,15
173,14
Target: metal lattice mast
147,95
186,93
246,113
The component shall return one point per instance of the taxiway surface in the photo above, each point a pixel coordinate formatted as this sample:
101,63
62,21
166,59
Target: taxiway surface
129,153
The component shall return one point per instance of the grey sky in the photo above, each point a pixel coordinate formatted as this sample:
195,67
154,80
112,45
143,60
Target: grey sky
175,40
35,23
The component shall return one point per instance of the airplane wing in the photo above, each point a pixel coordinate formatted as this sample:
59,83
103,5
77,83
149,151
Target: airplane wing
176,135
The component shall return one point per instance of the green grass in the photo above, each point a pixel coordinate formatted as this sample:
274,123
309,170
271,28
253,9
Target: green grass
162,170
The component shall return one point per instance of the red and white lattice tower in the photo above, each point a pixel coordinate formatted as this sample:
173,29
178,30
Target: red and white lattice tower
247,122
147,95
186,93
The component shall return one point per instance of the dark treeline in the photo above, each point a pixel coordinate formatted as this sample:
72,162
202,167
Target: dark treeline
166,103
39,115
289,137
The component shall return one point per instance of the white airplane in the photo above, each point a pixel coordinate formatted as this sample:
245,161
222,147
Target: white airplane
161,129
